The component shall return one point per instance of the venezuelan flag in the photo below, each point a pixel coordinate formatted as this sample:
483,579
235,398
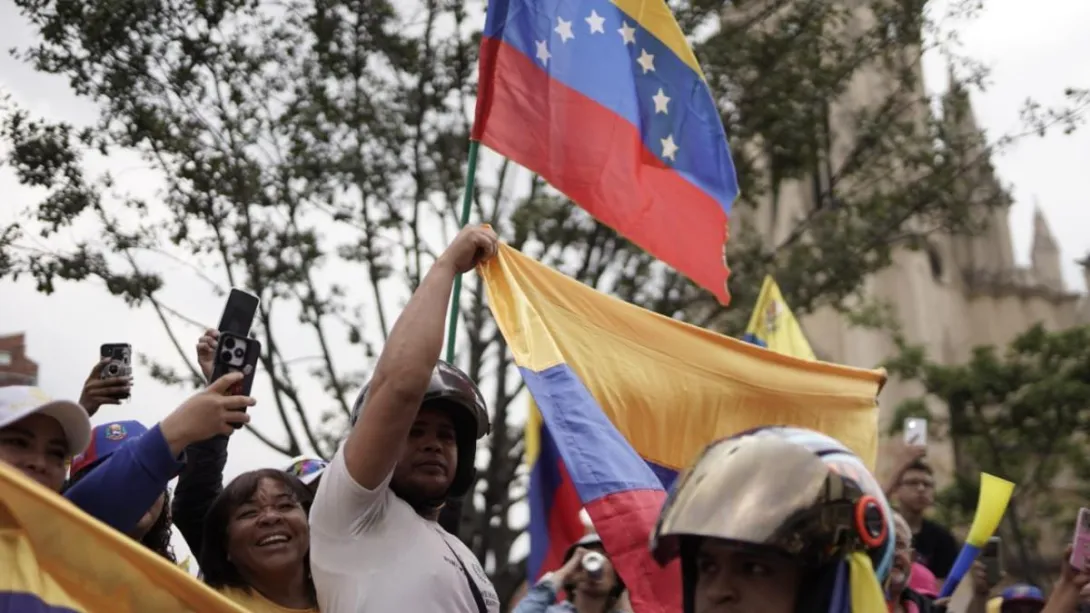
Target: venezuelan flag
606,101
773,325
627,398
56,559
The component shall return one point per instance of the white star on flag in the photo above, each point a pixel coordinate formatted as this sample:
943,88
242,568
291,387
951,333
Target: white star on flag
646,60
628,33
669,148
563,28
661,100
543,52
596,21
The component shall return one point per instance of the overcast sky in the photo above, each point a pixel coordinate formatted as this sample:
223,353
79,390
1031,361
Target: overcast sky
1032,53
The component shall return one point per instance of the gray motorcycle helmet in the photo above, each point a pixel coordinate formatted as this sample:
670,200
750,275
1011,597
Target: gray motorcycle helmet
471,422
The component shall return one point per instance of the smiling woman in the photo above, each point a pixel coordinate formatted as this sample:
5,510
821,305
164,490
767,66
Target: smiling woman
257,543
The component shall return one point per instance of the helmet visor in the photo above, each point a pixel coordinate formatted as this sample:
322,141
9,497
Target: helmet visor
754,490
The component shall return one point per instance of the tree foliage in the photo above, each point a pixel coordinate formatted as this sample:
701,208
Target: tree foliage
1022,414
313,152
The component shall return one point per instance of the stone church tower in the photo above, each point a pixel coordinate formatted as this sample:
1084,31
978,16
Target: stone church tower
958,293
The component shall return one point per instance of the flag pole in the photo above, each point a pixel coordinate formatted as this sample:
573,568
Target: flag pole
456,294
450,517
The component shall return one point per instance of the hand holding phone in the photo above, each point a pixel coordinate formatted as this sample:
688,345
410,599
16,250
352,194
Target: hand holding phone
916,432
1080,546
236,353
210,412
110,380
206,352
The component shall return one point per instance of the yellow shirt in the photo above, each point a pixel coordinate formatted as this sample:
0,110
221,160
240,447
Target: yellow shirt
256,603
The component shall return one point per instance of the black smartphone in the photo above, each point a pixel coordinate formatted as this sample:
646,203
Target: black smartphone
120,364
236,353
238,314
992,557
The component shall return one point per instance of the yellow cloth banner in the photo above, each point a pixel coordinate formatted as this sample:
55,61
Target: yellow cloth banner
55,558
671,388
774,326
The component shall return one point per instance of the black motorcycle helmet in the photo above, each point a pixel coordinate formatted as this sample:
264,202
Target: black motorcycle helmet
450,387
594,543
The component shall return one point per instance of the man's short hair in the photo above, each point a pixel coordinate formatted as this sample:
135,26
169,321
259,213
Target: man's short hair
920,465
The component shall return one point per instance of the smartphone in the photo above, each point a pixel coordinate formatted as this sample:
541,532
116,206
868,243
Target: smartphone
1080,546
238,314
992,557
916,431
120,364
237,353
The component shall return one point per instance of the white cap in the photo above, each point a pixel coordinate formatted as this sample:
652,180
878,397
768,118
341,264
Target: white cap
19,401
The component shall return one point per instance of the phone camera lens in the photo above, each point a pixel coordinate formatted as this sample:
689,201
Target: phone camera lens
225,356
238,352
229,343
111,369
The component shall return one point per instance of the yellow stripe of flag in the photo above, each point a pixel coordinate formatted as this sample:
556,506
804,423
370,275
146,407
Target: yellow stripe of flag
668,387
64,558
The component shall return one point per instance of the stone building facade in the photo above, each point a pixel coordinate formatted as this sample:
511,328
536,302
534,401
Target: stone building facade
960,292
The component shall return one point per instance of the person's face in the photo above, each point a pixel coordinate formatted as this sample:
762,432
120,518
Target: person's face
599,587
902,559
731,580
36,445
149,518
430,459
916,492
269,532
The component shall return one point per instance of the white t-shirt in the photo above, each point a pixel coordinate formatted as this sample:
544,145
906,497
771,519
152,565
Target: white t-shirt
370,552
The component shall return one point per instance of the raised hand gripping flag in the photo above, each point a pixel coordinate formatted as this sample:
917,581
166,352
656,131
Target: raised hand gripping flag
627,398
56,559
606,101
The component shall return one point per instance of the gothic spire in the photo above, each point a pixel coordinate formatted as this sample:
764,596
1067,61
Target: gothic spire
1045,254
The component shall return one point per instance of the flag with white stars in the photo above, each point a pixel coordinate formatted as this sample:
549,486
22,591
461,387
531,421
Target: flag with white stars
607,102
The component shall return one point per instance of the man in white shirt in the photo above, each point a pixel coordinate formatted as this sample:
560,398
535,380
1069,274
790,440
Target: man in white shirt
376,546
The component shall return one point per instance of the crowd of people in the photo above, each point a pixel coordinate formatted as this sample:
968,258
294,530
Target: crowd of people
772,520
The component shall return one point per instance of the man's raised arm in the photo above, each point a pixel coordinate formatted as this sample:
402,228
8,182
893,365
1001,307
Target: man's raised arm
404,369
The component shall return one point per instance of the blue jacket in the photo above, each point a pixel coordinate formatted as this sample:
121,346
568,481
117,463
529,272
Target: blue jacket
542,599
121,489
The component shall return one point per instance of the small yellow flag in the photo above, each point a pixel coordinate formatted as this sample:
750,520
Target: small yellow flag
774,326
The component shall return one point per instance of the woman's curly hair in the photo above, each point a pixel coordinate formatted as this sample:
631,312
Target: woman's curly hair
158,537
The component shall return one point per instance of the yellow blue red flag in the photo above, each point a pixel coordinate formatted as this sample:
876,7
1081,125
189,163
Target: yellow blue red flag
627,398
774,326
56,559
